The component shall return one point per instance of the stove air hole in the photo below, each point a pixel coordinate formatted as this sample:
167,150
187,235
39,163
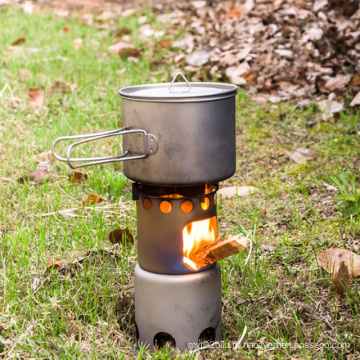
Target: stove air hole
187,206
163,338
165,207
205,205
147,204
207,335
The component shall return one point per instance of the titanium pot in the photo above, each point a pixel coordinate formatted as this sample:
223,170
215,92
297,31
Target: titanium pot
176,133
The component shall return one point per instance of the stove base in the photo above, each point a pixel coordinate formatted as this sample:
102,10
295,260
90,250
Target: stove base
178,309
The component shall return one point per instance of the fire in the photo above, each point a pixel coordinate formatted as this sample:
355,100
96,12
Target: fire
196,235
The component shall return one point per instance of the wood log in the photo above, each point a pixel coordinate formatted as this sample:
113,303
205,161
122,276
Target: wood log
219,249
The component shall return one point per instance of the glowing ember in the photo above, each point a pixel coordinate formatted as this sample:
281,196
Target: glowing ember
196,235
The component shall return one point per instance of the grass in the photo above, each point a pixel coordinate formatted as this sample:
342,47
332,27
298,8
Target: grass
85,308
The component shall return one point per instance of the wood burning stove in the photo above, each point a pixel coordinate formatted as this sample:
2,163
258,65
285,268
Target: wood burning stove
178,143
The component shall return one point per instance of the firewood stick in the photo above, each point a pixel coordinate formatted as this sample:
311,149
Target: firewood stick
219,249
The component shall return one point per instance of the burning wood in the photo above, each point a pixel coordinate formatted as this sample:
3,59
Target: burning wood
219,249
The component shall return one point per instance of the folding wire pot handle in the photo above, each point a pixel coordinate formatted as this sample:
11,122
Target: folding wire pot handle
139,141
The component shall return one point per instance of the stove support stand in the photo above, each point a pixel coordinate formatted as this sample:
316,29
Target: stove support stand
178,309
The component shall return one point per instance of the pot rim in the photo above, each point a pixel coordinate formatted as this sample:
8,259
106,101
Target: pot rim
179,92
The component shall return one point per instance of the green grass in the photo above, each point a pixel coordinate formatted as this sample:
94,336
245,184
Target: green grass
85,309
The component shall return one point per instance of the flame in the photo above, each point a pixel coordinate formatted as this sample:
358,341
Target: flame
196,235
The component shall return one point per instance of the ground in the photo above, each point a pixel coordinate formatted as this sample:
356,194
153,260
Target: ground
67,290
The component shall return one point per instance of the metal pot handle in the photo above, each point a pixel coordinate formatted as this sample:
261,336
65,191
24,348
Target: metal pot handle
172,88
138,141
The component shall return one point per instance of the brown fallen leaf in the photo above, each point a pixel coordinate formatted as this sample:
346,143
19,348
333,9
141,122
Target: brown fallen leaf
355,80
250,76
234,12
356,100
92,199
35,177
78,177
54,263
120,47
331,259
301,155
130,53
19,41
330,106
234,73
116,236
338,82
341,279
165,43
199,57
67,28
36,96
24,74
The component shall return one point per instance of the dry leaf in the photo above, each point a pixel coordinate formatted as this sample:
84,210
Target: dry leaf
28,7
35,283
186,42
355,80
230,192
77,43
44,165
116,236
53,263
356,100
234,73
331,259
338,82
105,16
92,199
24,74
78,177
250,76
284,53
330,106
301,155
36,96
165,43
62,12
234,12
199,57
19,41
341,279
120,47
35,177
67,28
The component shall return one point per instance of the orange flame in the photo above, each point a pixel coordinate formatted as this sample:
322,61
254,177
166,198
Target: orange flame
196,235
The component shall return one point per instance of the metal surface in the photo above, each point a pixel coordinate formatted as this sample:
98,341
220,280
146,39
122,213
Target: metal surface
196,141
173,89
182,306
189,131
160,235
138,141
179,92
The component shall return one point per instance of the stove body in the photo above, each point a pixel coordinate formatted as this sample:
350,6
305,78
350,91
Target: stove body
178,143
175,303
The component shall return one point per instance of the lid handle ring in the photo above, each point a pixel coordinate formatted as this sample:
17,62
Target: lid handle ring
173,89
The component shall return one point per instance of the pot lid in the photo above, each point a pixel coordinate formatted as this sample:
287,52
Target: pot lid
179,92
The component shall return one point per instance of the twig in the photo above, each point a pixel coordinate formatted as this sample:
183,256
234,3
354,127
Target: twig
26,101
52,58
6,179
7,86
241,339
